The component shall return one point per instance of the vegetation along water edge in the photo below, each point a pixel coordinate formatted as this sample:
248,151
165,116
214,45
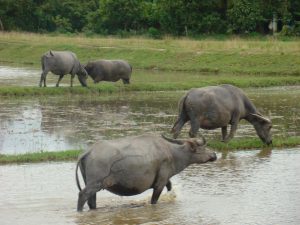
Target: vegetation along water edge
235,144
184,63
237,61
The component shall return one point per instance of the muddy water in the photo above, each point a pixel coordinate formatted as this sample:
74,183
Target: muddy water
243,187
68,122
24,76
60,123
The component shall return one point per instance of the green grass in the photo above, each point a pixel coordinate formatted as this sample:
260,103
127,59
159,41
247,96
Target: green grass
171,64
235,144
37,91
40,157
146,82
231,56
255,143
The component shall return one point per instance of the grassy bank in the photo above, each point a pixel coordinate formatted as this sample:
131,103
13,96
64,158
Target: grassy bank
231,56
141,82
241,143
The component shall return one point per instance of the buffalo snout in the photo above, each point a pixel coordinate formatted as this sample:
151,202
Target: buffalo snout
213,157
269,142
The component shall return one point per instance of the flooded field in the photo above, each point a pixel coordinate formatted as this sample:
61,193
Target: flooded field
243,187
24,76
63,123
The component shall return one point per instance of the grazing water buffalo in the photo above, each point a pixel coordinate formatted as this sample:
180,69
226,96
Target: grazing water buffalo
217,107
62,63
130,166
109,70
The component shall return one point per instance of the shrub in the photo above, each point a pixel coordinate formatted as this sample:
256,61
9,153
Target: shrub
154,33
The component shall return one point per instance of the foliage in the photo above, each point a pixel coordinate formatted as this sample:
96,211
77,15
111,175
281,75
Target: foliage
154,33
244,16
123,17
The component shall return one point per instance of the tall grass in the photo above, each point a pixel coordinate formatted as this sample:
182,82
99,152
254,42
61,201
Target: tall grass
232,55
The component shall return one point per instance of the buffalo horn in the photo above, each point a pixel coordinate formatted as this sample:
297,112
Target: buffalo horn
201,142
176,141
261,117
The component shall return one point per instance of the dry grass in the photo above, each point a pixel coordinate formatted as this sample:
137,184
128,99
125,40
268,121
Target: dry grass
270,45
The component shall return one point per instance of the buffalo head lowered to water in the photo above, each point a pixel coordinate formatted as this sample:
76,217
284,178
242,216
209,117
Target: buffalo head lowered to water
62,63
217,107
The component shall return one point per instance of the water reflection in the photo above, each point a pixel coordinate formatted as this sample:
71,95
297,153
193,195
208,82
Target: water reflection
68,122
24,76
15,76
245,187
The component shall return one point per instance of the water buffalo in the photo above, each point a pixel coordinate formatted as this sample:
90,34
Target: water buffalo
130,166
62,63
217,107
109,70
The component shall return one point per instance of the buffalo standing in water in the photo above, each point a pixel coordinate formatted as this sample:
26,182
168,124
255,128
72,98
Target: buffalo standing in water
109,70
217,107
130,166
62,63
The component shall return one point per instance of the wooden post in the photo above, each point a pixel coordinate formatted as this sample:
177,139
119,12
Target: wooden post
274,23
1,25
186,30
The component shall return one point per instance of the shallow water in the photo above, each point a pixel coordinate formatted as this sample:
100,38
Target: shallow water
68,122
61,123
243,187
25,76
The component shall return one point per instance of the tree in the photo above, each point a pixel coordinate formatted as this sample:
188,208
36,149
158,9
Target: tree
244,16
1,25
120,14
190,16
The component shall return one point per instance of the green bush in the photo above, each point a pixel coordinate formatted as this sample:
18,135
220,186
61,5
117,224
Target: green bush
212,23
154,33
286,31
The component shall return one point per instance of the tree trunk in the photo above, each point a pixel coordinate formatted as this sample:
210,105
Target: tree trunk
1,25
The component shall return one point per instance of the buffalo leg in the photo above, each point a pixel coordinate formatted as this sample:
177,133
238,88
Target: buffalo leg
169,185
156,193
161,181
59,79
88,192
43,78
178,126
234,125
92,202
224,133
195,125
72,78
126,81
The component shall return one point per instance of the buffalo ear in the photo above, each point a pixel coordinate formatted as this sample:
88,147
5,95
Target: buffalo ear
193,145
51,53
